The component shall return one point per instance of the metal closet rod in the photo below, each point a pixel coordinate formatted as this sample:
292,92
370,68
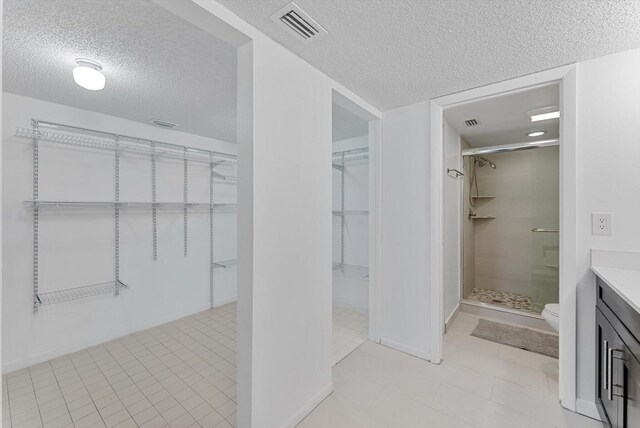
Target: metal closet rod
144,141
526,145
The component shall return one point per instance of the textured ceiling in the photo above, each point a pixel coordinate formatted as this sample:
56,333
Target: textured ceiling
346,124
504,120
156,65
397,52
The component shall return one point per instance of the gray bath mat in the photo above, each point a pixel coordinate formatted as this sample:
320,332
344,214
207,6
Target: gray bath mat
518,337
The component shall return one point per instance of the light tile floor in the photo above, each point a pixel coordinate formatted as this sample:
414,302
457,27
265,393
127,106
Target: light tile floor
180,374
479,384
350,330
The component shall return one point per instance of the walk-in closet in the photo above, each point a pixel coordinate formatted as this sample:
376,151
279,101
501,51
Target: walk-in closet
350,163
119,205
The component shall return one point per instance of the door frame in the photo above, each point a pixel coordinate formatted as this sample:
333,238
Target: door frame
566,78
363,110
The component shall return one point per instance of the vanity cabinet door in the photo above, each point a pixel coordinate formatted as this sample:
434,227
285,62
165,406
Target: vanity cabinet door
629,411
608,368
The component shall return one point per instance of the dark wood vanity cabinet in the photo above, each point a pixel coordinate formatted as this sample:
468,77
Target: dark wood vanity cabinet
618,355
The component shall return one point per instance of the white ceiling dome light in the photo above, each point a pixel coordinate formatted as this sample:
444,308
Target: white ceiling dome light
88,74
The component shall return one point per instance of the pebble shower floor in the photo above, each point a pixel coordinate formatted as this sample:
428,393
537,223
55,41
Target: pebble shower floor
508,300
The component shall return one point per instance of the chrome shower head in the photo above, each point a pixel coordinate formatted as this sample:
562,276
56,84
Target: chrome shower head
483,161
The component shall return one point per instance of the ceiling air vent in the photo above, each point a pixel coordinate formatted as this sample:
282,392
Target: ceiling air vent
163,123
471,122
297,23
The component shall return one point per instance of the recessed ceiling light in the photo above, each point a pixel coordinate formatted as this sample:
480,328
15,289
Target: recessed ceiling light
546,113
536,133
88,74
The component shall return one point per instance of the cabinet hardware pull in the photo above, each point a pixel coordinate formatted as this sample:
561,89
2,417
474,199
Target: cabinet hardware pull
621,388
605,366
610,371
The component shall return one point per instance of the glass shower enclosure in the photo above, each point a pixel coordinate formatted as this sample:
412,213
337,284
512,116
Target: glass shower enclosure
510,229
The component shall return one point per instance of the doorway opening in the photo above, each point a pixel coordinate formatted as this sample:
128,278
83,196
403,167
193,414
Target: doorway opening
502,207
353,154
564,78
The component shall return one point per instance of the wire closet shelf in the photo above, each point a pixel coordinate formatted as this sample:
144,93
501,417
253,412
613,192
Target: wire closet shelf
68,135
100,140
340,159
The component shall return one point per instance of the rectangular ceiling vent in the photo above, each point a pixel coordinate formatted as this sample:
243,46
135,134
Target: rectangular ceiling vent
298,23
471,122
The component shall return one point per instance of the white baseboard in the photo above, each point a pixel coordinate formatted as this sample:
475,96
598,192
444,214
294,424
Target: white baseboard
451,318
587,408
406,349
309,406
11,366
224,301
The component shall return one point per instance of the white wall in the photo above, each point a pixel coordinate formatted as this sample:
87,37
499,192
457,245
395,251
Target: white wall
352,290
608,180
468,232
284,222
76,247
452,212
291,340
405,235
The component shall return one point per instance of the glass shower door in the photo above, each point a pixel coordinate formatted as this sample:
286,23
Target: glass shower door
545,236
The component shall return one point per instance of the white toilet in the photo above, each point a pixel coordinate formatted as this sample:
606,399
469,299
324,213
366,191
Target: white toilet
551,314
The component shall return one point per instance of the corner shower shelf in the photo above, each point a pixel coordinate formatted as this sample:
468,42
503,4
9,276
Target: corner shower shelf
59,296
483,217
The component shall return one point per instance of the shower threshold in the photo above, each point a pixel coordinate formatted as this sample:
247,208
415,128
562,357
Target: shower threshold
501,299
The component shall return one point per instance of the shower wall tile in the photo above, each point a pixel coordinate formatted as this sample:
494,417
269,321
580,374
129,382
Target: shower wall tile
525,186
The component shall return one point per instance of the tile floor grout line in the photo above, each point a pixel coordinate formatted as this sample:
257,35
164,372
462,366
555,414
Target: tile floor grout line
36,397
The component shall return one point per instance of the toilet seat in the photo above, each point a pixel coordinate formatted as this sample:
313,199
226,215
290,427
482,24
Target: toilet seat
552,309
551,314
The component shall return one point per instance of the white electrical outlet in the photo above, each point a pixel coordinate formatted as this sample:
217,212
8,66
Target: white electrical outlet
601,223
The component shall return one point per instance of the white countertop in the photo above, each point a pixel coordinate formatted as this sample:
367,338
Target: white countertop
620,270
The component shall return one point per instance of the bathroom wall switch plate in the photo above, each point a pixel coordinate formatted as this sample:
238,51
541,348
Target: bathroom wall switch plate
601,224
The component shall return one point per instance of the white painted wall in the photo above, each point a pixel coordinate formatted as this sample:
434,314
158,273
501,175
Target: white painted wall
452,212
76,247
349,290
291,344
284,222
405,234
608,180
1,204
